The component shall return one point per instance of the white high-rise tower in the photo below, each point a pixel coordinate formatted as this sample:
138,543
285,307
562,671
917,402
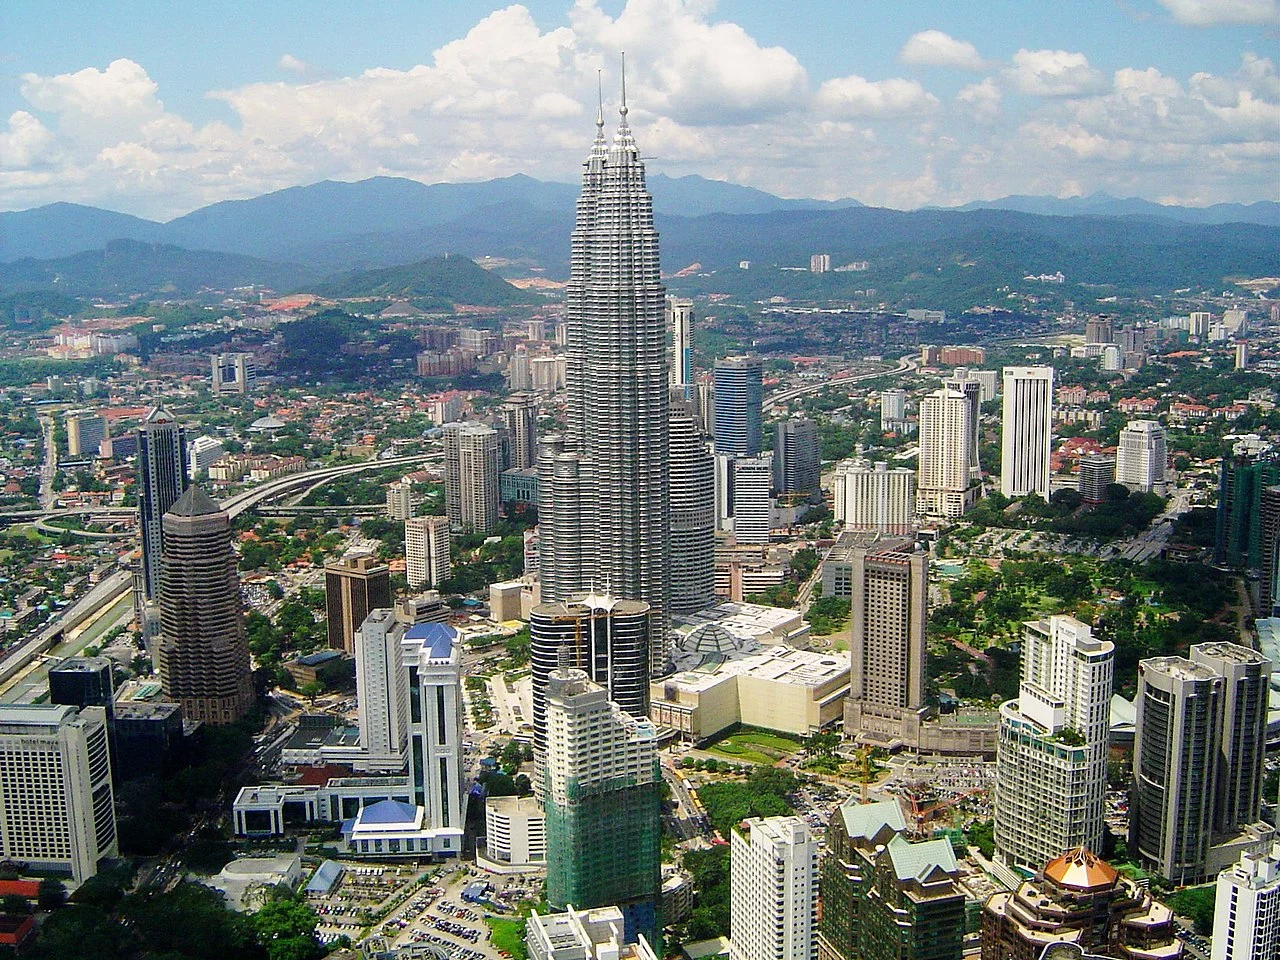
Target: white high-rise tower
946,487
1051,760
606,511
1026,438
774,879
680,319
1246,919
1142,456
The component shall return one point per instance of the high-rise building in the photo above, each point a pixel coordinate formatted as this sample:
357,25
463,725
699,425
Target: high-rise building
1197,761
988,381
57,809
1246,916
889,586
600,790
774,890
820,263
382,691
1099,330
752,505
162,477
1246,676
201,453
471,471
83,682
945,481
872,497
521,413
432,657
972,389
797,462
739,390
519,371
1141,458
1097,472
680,321
1051,762
884,897
1268,536
202,653
606,637
1179,714
704,405
605,515
893,410
1081,899
1252,466
353,588
693,515
85,431
400,500
234,372
1026,435
426,551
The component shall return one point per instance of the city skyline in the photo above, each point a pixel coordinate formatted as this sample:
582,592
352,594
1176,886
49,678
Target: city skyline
1171,100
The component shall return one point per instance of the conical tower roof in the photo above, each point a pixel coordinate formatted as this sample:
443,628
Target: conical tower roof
158,414
194,503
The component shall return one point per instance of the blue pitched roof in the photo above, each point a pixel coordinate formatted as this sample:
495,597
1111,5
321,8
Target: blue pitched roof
388,811
440,637
325,877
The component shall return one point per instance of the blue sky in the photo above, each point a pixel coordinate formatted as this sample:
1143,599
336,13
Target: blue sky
156,108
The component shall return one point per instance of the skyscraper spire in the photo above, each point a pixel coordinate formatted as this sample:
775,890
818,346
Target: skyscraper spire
622,109
599,104
605,516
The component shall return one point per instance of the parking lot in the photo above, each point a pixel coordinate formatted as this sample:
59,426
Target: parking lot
436,913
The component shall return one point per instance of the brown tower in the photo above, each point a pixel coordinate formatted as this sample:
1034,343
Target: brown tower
202,653
353,588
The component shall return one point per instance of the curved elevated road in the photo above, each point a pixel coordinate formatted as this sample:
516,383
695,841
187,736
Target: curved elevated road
907,364
112,587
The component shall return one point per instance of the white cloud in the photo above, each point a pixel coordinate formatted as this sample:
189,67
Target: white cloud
933,48
855,96
292,64
93,104
684,66
981,99
25,143
706,97
1207,13
1053,73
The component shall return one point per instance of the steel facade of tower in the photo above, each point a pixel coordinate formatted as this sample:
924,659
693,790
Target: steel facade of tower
202,653
693,516
603,490
605,637
739,389
162,478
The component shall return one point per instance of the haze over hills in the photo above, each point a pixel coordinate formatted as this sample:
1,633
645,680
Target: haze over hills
1265,212
280,224
315,236
341,223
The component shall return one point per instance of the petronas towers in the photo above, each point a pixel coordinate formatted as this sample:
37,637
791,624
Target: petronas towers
604,505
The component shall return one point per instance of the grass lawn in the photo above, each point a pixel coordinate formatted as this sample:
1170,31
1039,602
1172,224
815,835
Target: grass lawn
754,747
508,936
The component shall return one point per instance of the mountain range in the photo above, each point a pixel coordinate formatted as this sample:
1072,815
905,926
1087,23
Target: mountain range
312,235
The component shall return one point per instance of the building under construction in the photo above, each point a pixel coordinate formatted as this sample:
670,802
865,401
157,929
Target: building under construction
600,785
